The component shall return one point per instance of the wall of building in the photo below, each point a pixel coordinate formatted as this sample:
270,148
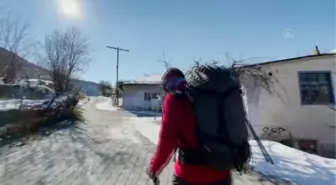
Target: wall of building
134,96
286,114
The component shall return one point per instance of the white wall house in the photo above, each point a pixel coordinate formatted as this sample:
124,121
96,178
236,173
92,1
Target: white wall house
300,111
143,93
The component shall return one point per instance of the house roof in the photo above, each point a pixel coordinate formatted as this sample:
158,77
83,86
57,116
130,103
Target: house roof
146,80
156,78
291,59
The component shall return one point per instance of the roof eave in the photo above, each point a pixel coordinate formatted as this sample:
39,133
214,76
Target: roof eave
289,59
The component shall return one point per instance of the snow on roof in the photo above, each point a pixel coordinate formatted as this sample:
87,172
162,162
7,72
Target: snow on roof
151,78
333,51
147,79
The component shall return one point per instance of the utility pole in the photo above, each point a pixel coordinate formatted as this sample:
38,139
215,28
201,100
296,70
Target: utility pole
117,67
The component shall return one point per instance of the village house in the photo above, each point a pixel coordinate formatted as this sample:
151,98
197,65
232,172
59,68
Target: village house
299,114
143,93
302,111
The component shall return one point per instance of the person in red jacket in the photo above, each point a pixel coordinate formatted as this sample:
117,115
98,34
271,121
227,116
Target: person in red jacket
178,131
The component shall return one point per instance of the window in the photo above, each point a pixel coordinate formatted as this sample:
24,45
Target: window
308,145
154,95
316,88
150,95
147,96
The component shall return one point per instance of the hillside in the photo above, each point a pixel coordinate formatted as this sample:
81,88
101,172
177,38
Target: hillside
34,71
91,88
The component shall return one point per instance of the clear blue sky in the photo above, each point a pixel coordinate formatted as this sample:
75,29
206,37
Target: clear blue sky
185,30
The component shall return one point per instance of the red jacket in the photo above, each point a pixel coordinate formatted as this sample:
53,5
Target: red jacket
179,118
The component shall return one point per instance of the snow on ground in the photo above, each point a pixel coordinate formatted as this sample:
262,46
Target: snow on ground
106,105
40,80
34,83
15,103
102,98
294,165
122,132
290,164
12,104
83,101
146,127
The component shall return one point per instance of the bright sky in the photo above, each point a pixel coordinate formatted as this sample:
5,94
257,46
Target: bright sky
184,30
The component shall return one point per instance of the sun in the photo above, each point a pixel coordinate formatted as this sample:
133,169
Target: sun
70,8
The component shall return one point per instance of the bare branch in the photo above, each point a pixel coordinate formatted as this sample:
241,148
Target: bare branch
254,75
13,35
14,38
164,62
257,76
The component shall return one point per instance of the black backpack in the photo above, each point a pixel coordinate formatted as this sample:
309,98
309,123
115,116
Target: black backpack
221,128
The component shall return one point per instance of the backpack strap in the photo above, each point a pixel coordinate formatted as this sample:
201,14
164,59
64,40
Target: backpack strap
183,97
190,156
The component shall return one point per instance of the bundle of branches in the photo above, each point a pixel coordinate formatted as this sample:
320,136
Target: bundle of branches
251,75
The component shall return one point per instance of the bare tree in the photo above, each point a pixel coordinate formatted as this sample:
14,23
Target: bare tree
65,55
14,38
105,88
260,75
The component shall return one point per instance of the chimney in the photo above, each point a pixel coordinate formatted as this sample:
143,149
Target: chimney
316,51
